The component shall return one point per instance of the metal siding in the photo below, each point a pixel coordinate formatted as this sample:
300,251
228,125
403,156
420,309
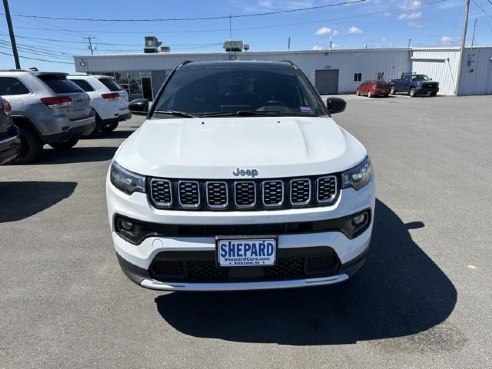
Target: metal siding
477,77
369,62
438,63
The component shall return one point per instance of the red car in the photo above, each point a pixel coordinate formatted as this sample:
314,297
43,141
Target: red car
374,88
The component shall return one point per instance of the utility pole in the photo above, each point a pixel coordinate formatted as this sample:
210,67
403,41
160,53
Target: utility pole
11,33
90,47
409,41
462,49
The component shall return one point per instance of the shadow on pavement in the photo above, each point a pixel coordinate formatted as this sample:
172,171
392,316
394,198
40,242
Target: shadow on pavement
399,292
20,200
114,134
76,155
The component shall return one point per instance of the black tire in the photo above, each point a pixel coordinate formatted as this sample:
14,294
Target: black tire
96,130
412,92
393,90
110,127
65,145
433,94
30,148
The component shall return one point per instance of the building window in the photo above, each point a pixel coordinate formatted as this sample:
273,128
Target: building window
380,75
357,77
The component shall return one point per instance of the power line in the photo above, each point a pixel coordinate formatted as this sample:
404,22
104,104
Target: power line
219,30
44,60
192,18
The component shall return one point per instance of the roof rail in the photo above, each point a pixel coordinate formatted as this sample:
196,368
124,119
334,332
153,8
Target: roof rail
290,62
187,62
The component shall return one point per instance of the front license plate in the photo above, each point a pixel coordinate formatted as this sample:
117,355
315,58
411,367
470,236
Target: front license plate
244,252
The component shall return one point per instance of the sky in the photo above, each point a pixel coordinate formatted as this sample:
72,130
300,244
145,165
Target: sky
46,29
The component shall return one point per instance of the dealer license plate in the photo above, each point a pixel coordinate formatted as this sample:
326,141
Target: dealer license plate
244,252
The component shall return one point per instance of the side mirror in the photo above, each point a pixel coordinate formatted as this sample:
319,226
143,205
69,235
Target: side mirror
335,105
139,106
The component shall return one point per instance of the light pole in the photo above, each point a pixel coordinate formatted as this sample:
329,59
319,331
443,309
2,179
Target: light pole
462,49
11,33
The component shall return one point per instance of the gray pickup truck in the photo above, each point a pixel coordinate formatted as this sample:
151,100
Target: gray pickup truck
414,84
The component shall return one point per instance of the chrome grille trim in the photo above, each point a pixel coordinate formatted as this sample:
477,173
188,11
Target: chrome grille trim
247,194
320,187
296,186
189,194
251,191
161,188
266,193
211,188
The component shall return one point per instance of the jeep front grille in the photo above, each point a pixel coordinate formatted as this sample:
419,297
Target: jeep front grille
254,194
245,194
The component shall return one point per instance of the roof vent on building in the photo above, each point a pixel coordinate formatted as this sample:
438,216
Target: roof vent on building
151,45
233,46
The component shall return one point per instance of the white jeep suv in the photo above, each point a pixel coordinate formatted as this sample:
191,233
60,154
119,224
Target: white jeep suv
239,179
109,101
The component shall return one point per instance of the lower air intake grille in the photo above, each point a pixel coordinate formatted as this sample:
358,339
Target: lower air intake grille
202,267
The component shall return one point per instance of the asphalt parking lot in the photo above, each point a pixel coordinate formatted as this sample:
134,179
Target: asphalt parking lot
422,300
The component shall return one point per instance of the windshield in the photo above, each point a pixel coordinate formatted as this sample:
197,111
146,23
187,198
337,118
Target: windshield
238,90
420,77
59,84
110,84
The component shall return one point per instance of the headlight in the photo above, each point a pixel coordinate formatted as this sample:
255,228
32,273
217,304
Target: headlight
126,181
358,176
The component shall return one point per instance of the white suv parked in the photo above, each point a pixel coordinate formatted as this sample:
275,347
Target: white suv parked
47,108
109,101
240,179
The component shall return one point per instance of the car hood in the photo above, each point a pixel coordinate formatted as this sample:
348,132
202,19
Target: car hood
217,147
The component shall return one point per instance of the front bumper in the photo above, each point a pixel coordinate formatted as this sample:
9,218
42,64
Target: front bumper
143,278
136,259
423,90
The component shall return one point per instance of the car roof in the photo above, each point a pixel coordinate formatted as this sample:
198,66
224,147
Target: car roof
88,76
253,64
35,73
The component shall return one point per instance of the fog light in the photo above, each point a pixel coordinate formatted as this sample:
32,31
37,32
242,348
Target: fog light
359,219
126,225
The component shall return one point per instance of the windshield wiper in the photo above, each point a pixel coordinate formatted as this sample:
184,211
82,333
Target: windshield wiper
240,113
175,112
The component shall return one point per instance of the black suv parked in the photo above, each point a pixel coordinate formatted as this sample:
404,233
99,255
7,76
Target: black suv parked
9,134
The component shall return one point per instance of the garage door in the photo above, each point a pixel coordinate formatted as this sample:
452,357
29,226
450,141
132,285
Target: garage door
326,81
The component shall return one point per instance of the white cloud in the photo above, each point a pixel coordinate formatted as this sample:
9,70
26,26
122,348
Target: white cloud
410,16
317,47
265,4
446,40
354,30
415,25
411,5
335,32
323,31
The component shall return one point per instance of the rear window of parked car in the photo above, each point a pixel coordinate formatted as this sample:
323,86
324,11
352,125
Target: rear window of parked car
84,85
12,86
59,84
109,83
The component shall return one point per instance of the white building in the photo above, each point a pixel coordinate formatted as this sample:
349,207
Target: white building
331,71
